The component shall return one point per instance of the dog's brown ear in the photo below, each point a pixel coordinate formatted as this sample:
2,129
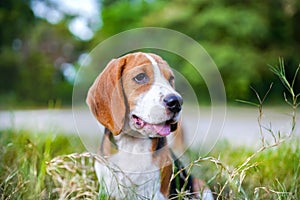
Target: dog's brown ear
106,99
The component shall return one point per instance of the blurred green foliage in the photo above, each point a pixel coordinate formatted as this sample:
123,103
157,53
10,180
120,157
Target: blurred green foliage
24,156
242,37
32,52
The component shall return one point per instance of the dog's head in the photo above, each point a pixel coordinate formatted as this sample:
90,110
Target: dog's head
135,94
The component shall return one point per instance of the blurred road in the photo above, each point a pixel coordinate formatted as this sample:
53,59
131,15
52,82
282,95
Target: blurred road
202,126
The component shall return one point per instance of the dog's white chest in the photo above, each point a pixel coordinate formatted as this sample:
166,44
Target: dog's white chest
131,173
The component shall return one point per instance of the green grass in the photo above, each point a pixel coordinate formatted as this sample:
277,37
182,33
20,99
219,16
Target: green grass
24,159
273,173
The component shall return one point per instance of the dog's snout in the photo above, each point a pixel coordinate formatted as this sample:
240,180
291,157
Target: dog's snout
173,102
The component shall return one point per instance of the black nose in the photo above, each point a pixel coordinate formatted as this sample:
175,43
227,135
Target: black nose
173,102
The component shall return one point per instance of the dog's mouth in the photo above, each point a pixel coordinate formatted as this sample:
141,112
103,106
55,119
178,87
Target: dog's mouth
162,129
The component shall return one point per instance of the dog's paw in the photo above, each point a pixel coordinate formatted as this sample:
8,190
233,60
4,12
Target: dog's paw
207,194
198,186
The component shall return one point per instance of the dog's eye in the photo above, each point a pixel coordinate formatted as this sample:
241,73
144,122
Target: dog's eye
171,80
141,78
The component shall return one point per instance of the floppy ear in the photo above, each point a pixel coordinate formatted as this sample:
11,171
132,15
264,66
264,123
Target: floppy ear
105,97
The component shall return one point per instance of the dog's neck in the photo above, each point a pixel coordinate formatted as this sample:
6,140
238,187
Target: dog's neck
130,142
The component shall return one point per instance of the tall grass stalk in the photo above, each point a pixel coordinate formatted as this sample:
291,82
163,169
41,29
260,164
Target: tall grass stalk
235,176
280,72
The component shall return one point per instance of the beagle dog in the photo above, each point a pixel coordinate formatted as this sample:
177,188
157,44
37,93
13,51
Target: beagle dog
135,100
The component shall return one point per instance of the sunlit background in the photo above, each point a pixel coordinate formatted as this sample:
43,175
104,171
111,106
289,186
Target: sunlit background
44,42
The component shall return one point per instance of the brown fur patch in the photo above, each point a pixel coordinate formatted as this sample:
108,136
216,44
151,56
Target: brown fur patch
168,74
132,89
161,156
105,97
164,69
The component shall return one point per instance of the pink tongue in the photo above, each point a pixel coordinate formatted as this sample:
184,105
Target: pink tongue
163,129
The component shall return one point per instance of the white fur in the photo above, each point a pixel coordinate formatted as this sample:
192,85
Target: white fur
131,174
207,195
150,106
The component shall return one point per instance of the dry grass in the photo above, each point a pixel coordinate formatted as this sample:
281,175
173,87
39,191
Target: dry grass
270,172
74,176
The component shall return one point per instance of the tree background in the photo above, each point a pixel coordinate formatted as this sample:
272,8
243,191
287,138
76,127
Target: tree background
39,57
